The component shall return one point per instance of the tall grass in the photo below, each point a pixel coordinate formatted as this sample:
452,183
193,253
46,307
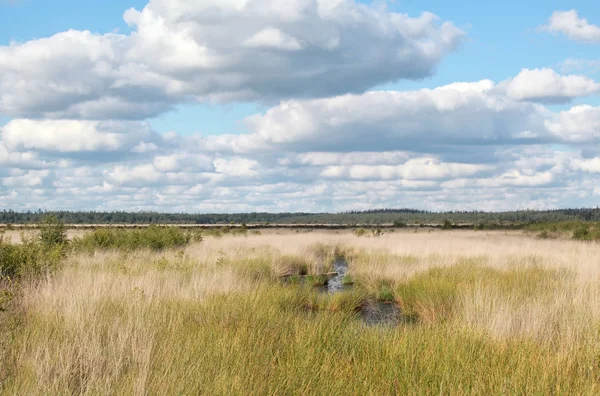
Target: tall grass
496,314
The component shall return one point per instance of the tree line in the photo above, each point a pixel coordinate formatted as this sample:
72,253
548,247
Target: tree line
373,217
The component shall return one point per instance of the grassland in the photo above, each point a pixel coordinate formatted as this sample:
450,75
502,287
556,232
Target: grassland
491,312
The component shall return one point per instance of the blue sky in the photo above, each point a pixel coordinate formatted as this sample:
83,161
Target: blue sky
168,110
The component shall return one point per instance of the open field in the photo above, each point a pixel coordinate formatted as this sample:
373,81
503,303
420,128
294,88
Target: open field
495,312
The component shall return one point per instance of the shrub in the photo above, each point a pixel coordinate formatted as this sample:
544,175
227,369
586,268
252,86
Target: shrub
153,238
585,233
52,233
29,258
377,232
543,235
447,225
359,232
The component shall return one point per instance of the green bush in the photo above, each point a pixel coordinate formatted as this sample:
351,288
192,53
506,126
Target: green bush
30,258
585,233
36,254
52,233
153,238
360,232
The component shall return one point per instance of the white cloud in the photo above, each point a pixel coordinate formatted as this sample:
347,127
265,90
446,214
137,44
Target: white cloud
78,136
545,85
580,65
183,161
518,179
424,120
426,168
24,160
237,166
183,51
587,165
460,146
578,124
571,25
273,38
349,158
140,175
32,178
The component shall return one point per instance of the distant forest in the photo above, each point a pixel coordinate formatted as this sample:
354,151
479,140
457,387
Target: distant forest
370,217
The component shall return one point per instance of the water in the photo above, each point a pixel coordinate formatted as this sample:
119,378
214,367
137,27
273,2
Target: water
373,312
336,284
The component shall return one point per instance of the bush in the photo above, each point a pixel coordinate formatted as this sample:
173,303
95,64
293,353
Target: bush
543,235
447,225
586,232
36,254
377,232
52,233
30,258
153,238
360,232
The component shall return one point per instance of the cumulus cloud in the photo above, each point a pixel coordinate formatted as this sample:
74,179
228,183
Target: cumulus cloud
32,178
571,25
578,124
443,120
68,136
467,145
591,165
545,85
426,168
184,51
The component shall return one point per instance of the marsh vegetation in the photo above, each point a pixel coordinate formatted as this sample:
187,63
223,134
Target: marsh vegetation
173,313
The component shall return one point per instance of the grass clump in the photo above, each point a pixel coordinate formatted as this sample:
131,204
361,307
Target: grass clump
290,265
434,295
152,238
348,280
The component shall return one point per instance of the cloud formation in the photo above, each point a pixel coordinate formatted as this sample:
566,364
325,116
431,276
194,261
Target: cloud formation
78,136
428,120
223,51
547,86
461,146
571,25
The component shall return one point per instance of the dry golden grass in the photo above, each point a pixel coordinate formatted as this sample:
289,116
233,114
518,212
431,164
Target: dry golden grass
498,312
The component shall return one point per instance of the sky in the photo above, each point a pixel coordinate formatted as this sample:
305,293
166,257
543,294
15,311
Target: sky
303,105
